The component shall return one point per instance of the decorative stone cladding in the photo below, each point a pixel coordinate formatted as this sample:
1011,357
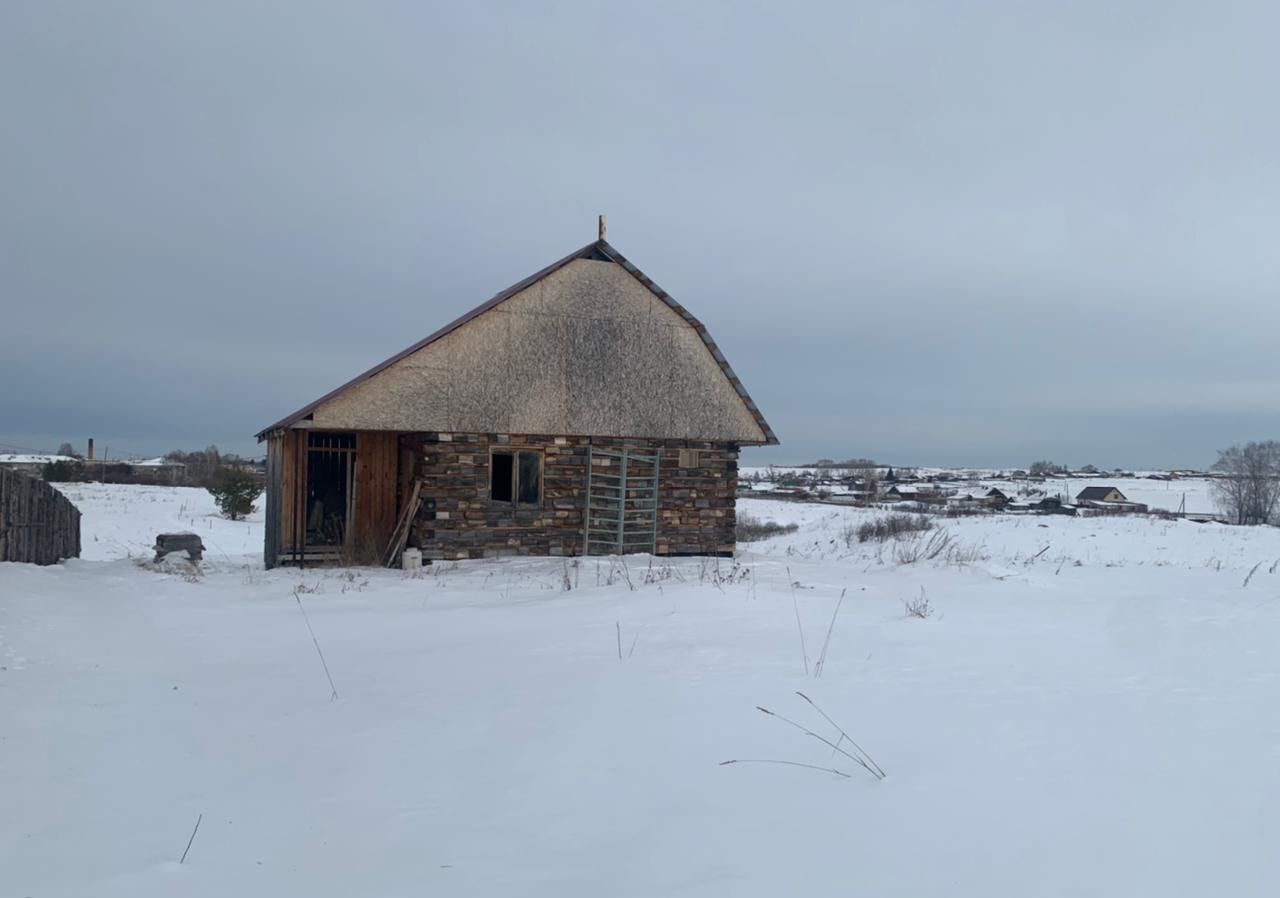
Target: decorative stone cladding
696,486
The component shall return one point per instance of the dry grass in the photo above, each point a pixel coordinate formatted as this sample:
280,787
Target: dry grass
918,607
893,526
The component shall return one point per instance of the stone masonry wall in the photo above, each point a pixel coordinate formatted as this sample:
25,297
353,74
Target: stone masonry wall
458,520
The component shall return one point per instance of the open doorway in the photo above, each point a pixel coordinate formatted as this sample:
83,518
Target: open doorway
330,459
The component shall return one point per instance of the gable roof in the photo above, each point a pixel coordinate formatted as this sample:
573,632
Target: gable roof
1097,493
599,250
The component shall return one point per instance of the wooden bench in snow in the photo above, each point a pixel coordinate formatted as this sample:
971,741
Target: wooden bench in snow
179,542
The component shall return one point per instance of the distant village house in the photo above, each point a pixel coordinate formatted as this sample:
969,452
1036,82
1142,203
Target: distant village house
1108,499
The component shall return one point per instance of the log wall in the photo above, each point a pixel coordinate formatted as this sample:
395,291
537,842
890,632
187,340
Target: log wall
38,524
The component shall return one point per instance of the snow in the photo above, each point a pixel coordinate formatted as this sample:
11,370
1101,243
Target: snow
15,458
1089,710
1166,495
122,520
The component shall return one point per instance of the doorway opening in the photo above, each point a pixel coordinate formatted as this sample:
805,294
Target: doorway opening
330,459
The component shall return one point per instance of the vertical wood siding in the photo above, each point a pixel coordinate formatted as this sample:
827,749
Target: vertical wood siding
377,463
38,524
275,473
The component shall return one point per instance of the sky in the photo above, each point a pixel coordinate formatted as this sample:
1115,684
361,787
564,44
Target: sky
926,233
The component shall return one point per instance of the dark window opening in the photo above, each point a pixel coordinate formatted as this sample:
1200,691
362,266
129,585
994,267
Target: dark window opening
501,477
529,478
516,477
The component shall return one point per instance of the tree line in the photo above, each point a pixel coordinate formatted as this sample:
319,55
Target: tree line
201,467
1247,486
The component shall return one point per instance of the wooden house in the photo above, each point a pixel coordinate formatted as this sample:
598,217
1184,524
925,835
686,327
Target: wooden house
1052,505
580,411
995,498
1108,499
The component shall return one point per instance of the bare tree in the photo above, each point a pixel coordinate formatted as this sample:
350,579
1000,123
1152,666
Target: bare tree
870,484
1247,488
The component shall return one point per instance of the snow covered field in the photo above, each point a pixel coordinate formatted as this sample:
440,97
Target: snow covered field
1089,709
1166,495
121,521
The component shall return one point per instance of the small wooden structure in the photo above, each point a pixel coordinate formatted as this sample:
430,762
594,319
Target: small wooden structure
179,542
580,411
38,524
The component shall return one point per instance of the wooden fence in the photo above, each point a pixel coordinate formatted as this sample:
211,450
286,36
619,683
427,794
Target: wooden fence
37,523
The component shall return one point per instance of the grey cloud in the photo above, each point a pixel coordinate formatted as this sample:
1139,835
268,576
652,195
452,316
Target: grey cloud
928,232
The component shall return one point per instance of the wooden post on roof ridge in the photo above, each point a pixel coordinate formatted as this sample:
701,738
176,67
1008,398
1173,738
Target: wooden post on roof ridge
601,226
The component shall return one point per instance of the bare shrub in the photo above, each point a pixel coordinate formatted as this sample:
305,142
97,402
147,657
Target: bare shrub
918,607
922,548
962,555
661,572
618,573
893,526
351,582
569,577
752,529
713,572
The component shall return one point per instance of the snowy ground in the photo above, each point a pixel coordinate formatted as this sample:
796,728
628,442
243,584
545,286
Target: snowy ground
1090,709
121,521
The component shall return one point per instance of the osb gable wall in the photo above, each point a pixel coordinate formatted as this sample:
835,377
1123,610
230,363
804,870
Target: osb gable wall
588,350
458,520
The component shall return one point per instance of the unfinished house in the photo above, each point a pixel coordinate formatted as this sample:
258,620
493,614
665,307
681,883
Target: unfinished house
582,411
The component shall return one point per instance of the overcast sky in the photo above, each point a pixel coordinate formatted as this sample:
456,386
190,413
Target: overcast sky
947,233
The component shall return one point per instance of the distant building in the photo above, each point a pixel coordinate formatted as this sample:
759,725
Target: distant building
1108,500
965,502
1100,494
995,498
32,464
1052,505
158,471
